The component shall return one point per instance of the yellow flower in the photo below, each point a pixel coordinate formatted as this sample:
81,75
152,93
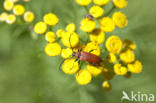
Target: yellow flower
129,44
3,16
8,5
92,46
87,25
50,36
83,2
70,38
119,69
96,11
27,0
40,27
97,36
60,33
70,27
29,16
114,44
18,9
52,49
83,77
101,2
108,73
11,19
94,70
66,53
107,24
120,19
135,67
51,19
127,56
15,0
70,66
111,58
120,3
106,86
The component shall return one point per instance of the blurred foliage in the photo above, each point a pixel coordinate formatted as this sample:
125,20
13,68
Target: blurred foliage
27,75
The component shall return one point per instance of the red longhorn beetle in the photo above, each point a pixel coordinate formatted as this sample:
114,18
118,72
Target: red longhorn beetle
86,56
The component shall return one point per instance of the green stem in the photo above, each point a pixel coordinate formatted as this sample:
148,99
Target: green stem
87,38
112,9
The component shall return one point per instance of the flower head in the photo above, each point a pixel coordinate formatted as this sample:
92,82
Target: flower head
107,24
83,2
135,67
119,69
40,27
8,5
101,2
93,46
120,19
120,3
18,9
94,70
108,73
70,39
71,27
83,77
50,36
53,49
128,44
29,16
11,18
3,16
111,58
50,19
87,25
106,86
60,33
127,56
66,53
96,11
97,36
70,66
114,44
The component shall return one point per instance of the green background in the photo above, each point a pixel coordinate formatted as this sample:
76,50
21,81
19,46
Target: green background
27,75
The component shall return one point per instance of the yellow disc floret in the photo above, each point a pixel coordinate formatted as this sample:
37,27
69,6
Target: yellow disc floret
114,44
70,66
11,19
50,36
120,3
120,19
119,69
106,86
51,19
101,2
107,24
53,49
3,16
40,27
83,77
70,39
97,36
71,27
8,5
29,16
83,2
135,67
18,9
92,46
127,56
94,70
96,11
60,33
87,25
66,53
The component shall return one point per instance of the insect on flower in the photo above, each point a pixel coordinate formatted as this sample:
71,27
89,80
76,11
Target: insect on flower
86,56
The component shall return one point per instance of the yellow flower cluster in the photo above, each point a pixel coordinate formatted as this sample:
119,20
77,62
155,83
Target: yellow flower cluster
14,9
116,56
